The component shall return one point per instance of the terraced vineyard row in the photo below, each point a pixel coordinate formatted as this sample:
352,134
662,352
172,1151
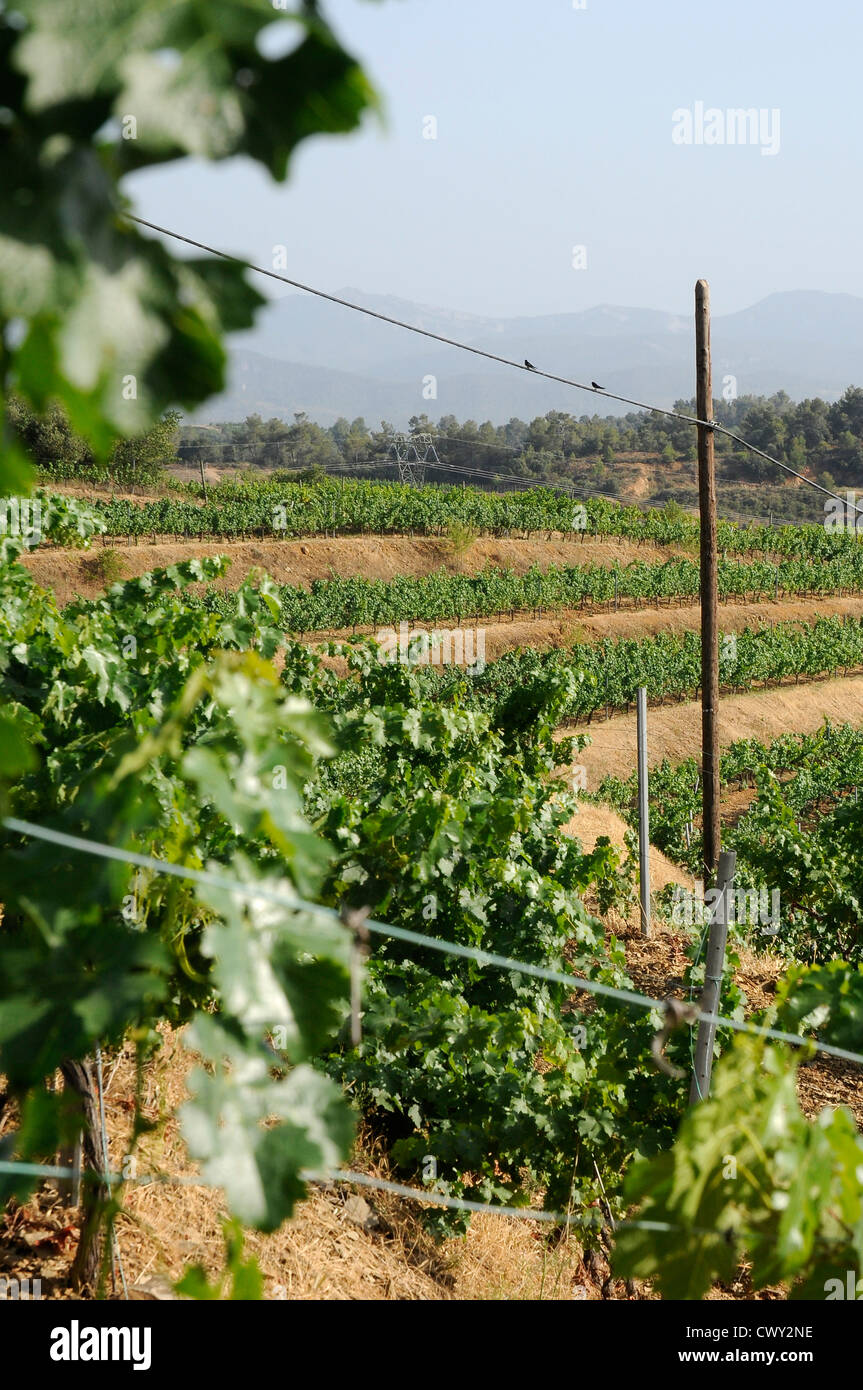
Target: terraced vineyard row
794,840
668,664
269,509
824,766
357,602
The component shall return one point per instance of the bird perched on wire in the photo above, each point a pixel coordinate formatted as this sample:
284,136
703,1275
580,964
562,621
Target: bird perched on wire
596,386
529,365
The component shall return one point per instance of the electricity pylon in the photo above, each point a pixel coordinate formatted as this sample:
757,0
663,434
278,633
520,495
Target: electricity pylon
412,453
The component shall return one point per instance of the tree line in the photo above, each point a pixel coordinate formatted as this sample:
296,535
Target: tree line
821,438
59,451
825,438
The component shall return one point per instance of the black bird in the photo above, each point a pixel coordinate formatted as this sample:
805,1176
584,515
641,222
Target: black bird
529,365
596,386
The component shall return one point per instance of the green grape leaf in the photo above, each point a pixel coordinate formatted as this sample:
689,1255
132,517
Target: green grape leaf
308,1125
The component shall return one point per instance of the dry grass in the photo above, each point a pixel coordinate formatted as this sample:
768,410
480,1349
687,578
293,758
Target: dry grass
323,1253
592,821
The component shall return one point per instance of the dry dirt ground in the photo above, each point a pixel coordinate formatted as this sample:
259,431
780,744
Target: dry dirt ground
674,731
71,572
593,821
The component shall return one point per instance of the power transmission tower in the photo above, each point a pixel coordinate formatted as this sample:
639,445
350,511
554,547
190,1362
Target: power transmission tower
412,452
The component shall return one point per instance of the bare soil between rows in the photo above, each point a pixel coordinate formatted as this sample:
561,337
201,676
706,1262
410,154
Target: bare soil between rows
74,573
674,731
567,627
69,572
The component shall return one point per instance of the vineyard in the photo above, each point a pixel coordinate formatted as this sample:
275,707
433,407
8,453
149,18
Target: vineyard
430,798
796,835
268,509
608,673
341,958
496,593
179,947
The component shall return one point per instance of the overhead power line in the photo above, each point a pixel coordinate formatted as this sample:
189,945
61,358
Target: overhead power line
593,389
409,327
515,479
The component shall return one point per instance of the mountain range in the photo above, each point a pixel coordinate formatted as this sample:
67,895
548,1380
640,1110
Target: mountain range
308,354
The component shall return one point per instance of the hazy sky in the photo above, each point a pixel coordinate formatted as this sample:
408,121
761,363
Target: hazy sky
554,130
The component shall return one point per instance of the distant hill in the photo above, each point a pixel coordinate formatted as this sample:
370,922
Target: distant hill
308,354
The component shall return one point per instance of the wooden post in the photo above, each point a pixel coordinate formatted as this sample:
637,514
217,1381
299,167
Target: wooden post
203,482
69,1189
78,1079
643,814
709,1002
709,585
